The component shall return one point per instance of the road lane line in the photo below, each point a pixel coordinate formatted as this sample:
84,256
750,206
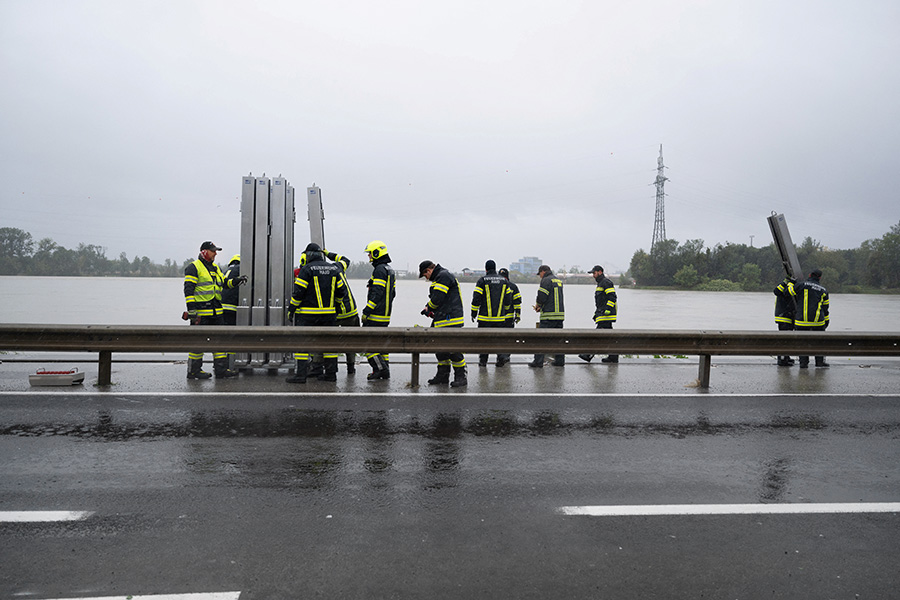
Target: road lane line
197,596
42,516
212,393
730,509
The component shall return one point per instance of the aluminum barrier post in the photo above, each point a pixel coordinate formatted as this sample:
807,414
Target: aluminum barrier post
705,363
104,368
414,374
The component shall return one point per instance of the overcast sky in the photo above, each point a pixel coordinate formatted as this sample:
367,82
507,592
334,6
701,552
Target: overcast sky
454,131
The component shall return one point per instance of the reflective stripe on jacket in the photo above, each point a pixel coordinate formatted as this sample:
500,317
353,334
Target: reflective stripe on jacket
812,304
491,296
784,302
605,301
550,299
203,283
444,299
382,288
318,288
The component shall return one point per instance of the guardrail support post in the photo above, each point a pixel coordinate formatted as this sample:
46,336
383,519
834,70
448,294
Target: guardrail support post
414,375
104,368
705,363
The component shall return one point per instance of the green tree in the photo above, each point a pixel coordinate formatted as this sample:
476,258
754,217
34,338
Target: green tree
750,276
687,277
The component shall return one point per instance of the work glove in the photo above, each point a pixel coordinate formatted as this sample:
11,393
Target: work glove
518,318
428,312
474,317
242,280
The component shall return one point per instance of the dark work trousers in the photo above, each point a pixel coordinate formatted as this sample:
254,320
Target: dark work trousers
482,358
559,359
454,359
208,320
804,360
352,321
786,327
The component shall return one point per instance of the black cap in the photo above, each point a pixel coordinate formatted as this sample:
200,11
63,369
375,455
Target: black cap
504,273
596,268
490,266
543,268
209,246
424,265
816,274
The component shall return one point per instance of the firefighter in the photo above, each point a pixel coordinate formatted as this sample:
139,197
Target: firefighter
318,289
445,309
512,311
203,282
811,299
489,300
604,308
784,312
347,313
381,290
233,281
549,304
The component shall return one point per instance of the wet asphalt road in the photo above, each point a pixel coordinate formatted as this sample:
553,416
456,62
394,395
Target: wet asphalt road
445,496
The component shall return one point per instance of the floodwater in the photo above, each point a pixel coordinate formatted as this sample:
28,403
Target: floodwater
160,301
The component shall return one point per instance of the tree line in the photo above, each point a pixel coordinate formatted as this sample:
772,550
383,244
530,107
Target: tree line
19,255
874,266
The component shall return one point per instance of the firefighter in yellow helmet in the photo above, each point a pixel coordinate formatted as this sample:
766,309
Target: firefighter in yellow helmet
381,289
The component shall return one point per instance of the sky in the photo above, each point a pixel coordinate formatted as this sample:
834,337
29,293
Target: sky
455,132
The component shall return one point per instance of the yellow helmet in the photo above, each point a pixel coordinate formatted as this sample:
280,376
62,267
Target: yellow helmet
236,257
303,259
376,249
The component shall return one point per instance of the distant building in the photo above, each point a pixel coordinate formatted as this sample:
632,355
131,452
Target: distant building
527,265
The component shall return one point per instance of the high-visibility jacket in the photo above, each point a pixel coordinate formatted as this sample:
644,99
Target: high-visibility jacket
231,291
605,301
318,289
491,296
444,299
382,288
203,282
784,302
346,308
513,310
550,298
812,304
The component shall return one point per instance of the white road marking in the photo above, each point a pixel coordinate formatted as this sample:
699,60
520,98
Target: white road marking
42,516
198,596
729,509
421,393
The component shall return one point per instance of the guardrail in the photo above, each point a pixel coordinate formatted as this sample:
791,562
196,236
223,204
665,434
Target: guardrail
106,339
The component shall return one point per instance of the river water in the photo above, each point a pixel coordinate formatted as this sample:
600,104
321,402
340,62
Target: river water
160,301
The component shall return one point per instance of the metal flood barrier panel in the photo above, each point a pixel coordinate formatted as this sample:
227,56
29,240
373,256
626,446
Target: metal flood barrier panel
267,257
782,237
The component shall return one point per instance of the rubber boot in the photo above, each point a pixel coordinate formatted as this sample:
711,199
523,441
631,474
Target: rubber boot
586,357
442,376
459,377
380,368
482,360
502,359
299,375
351,364
330,373
315,367
220,366
612,358
195,369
